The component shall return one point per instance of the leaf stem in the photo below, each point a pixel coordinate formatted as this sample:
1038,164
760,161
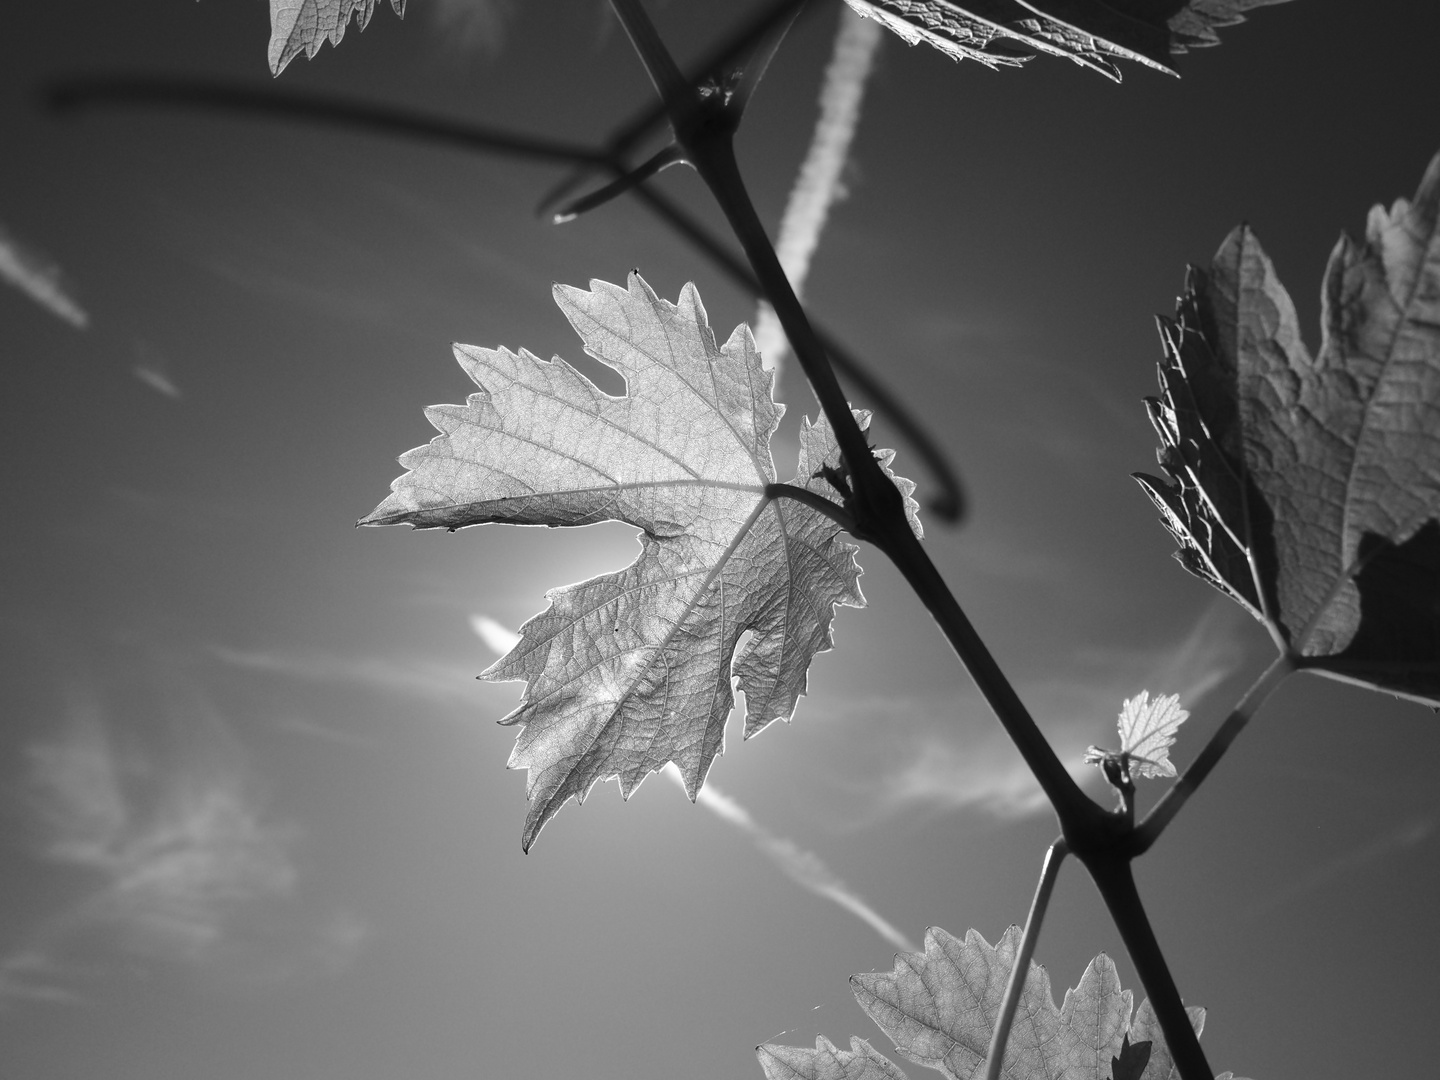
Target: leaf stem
674,89
662,160
816,502
769,41
1164,811
1049,871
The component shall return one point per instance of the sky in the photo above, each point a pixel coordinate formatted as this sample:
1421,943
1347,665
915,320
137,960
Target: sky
255,814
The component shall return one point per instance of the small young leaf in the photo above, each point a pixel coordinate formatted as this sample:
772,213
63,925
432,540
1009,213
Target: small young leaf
825,1062
1093,33
1147,731
1308,489
298,26
940,1007
632,670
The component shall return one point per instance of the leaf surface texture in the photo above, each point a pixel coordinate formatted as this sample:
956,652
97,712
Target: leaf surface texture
1093,33
825,1062
940,1006
298,26
1308,488
631,670
1147,731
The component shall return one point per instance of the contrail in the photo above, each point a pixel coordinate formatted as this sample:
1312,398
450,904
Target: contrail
805,868
35,275
818,184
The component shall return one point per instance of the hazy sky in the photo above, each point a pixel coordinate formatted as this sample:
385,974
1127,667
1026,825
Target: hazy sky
256,818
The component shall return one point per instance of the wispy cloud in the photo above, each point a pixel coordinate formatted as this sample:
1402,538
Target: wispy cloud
175,850
977,767
31,975
805,868
310,729
34,274
818,184
984,773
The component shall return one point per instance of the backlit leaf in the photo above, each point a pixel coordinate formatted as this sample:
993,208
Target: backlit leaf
631,670
940,1007
298,26
1147,731
1093,33
825,1062
1308,489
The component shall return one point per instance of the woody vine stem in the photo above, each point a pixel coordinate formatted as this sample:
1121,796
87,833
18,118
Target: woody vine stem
704,120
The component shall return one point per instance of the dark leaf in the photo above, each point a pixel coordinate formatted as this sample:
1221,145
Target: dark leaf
1093,33
1130,1065
1308,489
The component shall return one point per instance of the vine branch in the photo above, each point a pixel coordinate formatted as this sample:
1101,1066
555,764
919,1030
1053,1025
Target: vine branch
1116,882
705,130
631,133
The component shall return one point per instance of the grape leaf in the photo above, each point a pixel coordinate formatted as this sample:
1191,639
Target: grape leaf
632,670
825,1062
940,1007
1093,33
298,26
1308,489
1147,731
